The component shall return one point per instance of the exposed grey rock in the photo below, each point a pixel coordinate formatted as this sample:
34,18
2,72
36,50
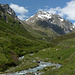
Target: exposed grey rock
52,21
7,8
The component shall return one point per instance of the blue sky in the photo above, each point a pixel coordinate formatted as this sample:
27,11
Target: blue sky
27,8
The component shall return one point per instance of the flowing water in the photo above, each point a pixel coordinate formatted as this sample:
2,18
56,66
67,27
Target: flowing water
33,71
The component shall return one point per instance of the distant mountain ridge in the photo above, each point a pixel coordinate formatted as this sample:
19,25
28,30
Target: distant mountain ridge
52,21
44,20
43,24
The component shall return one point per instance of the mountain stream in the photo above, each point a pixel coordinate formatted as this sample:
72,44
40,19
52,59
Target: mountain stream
33,71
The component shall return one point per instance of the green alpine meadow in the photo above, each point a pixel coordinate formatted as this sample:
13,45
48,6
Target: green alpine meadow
35,43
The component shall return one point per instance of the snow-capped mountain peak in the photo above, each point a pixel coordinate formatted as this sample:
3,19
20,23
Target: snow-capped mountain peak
43,15
53,21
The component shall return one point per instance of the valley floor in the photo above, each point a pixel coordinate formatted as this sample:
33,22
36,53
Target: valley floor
64,56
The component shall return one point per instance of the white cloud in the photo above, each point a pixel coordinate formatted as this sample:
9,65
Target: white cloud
68,11
74,24
20,10
22,17
54,10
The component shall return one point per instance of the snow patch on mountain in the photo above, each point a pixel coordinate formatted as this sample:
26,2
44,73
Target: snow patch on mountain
61,19
73,26
9,12
40,15
70,28
44,15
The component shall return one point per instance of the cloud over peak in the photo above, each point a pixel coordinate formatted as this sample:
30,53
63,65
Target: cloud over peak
68,11
19,10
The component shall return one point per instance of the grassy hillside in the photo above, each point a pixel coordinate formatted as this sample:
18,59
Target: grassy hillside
63,38
15,41
39,32
62,52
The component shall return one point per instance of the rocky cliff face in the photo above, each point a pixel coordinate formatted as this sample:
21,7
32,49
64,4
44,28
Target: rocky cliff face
7,9
51,21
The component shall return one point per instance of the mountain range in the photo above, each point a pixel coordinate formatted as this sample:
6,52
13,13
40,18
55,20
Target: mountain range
49,24
48,21
40,31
